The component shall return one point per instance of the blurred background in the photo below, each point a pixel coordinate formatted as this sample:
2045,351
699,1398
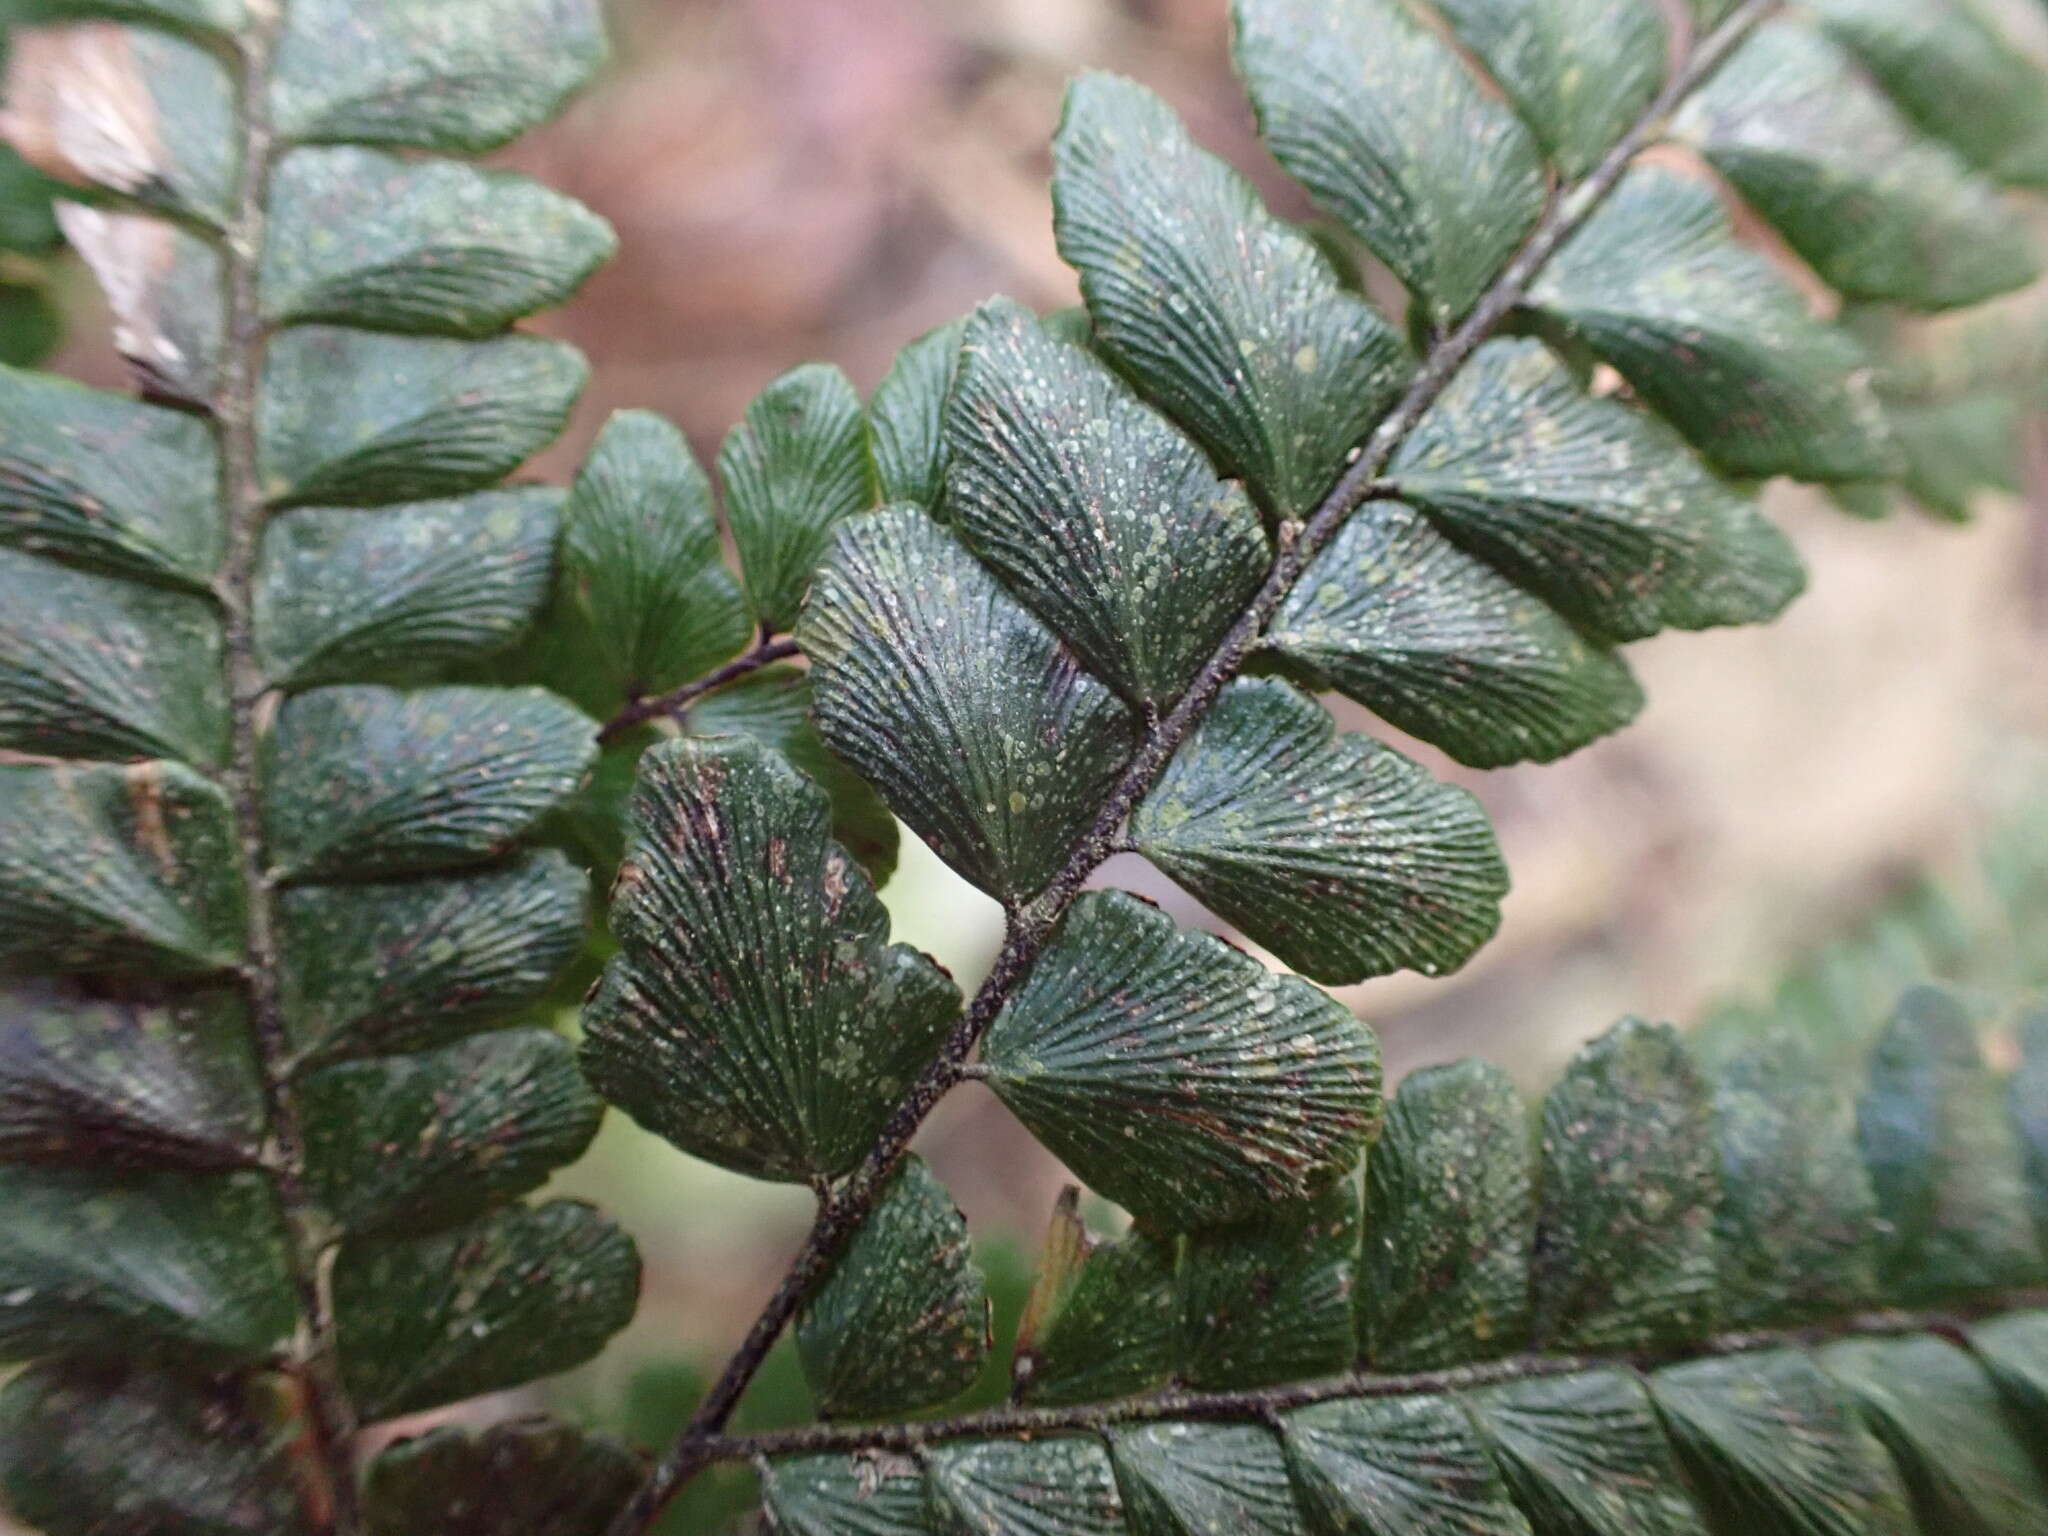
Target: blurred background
825,179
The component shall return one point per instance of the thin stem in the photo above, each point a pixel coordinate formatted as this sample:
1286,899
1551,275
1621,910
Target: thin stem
1262,1404
1031,926
326,1469
767,650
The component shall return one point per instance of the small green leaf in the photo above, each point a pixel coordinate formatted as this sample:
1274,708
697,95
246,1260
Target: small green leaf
433,246
756,1014
1103,1319
350,596
1230,321
522,1293
353,418
1391,133
1177,1076
1774,1448
119,869
1711,334
91,666
773,706
867,1494
1197,1479
902,1322
1408,1465
532,1478
1338,854
366,781
1944,1160
1396,616
1624,1255
795,467
1584,1455
1879,212
1795,1229
1956,449
1952,72
31,326
464,75
1053,1487
28,214
640,559
907,418
107,481
1939,1415
940,689
1597,507
1580,72
119,1083
421,1142
1449,1217
371,970
1271,1298
127,1266
116,1450
1102,518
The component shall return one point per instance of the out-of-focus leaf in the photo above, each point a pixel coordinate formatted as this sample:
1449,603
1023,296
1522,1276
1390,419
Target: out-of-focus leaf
1227,319
975,723
521,1293
1943,1159
92,666
1177,1076
2027,1098
1102,518
353,418
528,1478
1630,1181
1396,616
1338,854
1449,1217
126,1084
371,970
794,468
756,1014
1938,1414
117,1450
1775,1449
1383,123
902,1322
1714,337
1796,1224
347,595
1103,1318
2014,1350
118,869
122,1266
107,481
433,246
1879,212
463,75
363,781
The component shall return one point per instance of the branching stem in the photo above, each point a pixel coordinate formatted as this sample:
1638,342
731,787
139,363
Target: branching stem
324,1458
1032,925
766,651
1266,1403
